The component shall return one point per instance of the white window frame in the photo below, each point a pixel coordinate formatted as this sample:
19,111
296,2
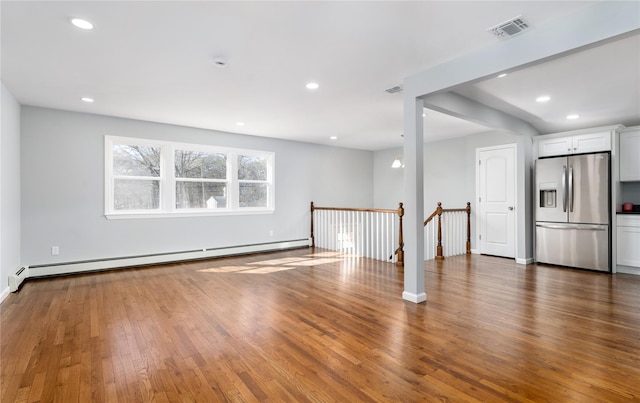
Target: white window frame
167,205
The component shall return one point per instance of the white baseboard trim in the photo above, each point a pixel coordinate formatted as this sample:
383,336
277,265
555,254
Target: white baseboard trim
415,298
132,261
5,293
475,252
528,260
628,270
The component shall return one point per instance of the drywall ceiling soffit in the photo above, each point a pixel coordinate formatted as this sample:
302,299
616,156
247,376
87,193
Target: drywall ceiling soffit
601,83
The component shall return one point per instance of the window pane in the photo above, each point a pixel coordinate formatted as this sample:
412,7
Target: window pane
131,194
201,195
253,195
136,160
252,168
196,164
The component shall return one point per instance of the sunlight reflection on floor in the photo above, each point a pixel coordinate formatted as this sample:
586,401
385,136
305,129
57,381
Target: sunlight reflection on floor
282,264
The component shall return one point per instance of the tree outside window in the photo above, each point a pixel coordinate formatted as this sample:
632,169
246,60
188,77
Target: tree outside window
136,171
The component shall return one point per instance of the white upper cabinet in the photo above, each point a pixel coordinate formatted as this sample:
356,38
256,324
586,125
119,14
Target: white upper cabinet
554,144
630,154
593,142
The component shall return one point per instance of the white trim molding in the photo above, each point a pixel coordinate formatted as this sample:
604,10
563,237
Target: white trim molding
528,260
415,298
628,270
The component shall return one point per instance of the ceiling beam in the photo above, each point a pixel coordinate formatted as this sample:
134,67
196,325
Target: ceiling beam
590,26
464,108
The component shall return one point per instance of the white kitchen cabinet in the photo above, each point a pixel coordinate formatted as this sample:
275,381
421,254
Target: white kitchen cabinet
555,146
574,144
593,142
630,154
628,240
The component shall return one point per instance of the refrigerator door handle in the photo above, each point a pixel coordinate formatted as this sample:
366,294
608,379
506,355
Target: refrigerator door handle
564,190
571,189
591,227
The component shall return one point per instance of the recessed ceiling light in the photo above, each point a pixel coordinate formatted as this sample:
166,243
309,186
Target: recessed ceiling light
312,86
502,75
573,116
82,24
333,138
543,98
87,99
240,123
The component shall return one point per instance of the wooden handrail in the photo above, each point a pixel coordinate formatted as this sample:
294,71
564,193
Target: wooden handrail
428,220
366,210
444,210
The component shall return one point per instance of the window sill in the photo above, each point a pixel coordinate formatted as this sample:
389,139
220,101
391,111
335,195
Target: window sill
156,214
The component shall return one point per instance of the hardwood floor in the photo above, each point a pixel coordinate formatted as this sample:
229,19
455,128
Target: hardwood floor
297,326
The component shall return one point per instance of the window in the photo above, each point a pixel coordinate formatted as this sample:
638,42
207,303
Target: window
145,178
136,177
253,181
201,179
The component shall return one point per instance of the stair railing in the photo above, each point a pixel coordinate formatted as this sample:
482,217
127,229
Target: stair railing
438,212
372,233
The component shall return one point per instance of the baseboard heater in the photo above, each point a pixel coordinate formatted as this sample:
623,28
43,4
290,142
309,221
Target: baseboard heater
57,269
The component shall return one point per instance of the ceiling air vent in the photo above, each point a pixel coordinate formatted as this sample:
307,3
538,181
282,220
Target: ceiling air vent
393,90
509,28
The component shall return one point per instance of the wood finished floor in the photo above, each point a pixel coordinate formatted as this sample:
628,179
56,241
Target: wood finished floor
297,326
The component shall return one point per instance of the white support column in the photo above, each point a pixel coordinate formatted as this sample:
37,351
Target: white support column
414,289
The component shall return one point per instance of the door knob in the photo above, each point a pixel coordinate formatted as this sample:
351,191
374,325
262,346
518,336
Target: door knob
510,208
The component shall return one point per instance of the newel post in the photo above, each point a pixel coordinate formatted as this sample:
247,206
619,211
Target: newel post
313,241
468,228
439,255
400,261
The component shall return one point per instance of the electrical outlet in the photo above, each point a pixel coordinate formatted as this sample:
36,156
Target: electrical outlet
55,250
271,233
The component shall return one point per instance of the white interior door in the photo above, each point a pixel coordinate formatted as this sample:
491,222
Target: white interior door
496,200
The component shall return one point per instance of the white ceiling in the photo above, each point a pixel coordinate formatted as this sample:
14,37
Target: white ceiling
154,61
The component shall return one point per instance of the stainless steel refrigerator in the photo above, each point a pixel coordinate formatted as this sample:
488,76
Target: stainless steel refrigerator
573,211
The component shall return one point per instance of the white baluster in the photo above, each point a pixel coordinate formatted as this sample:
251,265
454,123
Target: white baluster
378,236
319,228
322,229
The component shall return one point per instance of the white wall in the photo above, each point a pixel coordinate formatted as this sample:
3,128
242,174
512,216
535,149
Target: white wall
388,183
9,188
449,175
63,190
445,176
